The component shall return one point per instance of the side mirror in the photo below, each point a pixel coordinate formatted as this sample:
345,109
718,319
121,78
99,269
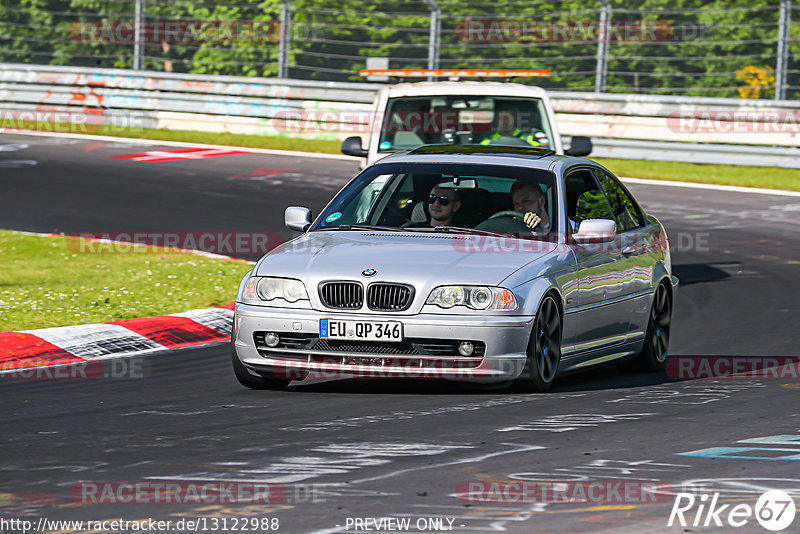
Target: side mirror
352,147
297,218
581,146
595,231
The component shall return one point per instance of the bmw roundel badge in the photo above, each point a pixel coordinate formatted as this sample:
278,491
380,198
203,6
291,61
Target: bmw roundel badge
369,272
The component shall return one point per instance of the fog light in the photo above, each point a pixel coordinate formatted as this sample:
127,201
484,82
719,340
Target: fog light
272,339
465,348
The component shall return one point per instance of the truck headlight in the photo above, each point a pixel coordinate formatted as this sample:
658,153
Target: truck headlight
473,297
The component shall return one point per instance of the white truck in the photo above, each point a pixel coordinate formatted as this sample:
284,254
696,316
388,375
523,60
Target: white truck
461,112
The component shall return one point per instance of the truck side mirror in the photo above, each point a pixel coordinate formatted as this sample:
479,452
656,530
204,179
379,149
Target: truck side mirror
581,146
352,147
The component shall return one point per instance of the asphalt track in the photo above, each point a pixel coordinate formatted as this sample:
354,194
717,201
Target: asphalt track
371,449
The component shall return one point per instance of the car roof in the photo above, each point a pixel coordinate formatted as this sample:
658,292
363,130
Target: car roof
468,88
512,156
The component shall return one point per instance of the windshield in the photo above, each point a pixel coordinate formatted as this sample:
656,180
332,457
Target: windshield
446,197
464,120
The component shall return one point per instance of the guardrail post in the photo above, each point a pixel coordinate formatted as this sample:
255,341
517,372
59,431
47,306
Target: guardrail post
435,35
783,50
602,47
283,46
138,36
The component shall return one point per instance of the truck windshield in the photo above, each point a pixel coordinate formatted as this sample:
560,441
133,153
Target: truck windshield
413,121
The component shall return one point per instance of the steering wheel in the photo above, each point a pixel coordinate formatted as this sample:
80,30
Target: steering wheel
509,213
517,218
505,221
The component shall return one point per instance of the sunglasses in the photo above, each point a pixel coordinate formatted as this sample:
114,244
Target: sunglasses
444,201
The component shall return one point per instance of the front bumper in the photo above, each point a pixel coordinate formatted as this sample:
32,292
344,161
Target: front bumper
505,338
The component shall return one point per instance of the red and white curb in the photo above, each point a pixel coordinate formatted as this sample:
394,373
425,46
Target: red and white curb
130,337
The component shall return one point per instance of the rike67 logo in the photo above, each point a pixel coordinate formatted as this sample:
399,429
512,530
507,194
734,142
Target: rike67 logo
774,510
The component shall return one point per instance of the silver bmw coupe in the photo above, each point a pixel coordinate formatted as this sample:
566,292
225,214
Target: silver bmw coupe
487,264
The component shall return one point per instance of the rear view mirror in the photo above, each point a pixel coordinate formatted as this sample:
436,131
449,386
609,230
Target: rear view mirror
297,218
352,147
459,183
580,146
595,231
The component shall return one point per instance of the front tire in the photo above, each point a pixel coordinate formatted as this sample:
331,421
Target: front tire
653,356
544,348
248,380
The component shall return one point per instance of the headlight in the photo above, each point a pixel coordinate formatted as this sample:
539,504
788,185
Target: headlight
269,288
474,297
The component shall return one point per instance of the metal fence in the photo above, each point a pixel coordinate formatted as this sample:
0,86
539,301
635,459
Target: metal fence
675,128
738,48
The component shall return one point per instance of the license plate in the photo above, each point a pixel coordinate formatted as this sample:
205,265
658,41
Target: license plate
361,330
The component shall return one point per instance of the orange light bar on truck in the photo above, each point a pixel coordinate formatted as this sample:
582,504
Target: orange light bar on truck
419,73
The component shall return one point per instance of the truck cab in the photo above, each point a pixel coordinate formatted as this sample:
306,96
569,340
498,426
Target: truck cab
408,115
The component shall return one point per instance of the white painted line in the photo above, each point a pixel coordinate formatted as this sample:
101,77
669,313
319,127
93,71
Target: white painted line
713,187
109,138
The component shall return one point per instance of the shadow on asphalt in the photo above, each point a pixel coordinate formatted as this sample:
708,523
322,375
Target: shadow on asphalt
695,273
610,377
591,380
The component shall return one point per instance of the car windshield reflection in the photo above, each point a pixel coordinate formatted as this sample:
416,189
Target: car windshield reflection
479,199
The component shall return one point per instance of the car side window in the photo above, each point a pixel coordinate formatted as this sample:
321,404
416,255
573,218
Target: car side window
625,211
585,199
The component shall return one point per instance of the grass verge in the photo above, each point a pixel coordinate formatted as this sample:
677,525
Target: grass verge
740,175
44,282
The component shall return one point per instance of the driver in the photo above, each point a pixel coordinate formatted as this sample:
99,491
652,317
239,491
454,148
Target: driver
529,200
505,125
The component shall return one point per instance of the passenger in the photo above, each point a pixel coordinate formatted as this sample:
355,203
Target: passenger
443,205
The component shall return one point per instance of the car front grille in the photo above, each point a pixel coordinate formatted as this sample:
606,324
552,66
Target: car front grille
342,295
389,297
367,347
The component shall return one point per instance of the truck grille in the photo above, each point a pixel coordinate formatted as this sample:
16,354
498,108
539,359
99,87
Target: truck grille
389,297
341,295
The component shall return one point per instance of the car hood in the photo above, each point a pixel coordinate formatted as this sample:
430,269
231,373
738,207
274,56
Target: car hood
424,260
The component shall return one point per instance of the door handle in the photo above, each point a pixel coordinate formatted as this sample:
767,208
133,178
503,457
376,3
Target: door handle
628,250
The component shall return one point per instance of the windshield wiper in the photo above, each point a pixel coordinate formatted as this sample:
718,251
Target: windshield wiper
461,229
365,227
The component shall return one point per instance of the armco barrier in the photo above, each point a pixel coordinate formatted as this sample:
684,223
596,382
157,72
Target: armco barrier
627,126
